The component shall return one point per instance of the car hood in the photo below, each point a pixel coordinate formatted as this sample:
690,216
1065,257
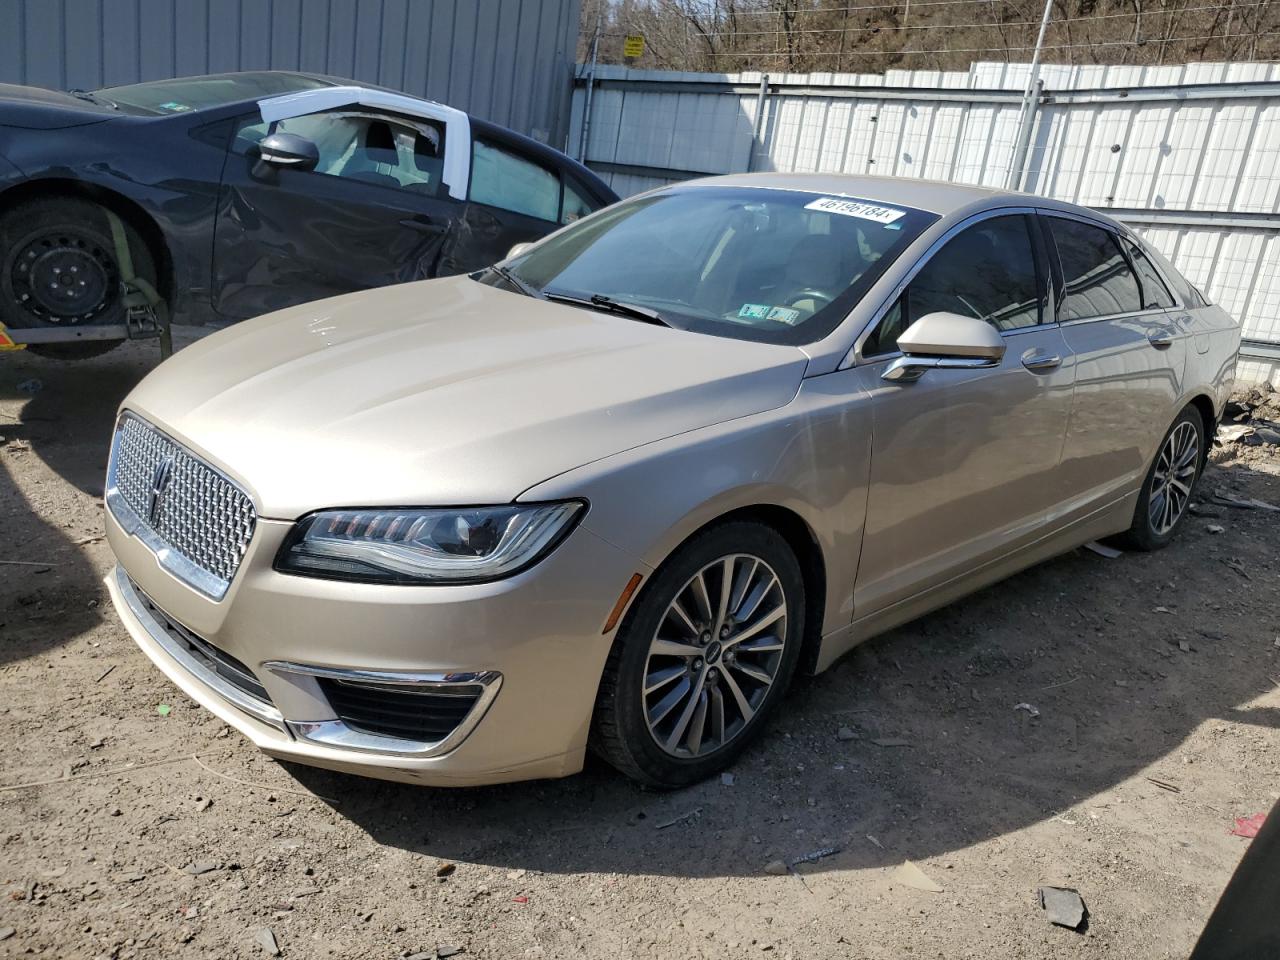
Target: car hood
35,108
444,392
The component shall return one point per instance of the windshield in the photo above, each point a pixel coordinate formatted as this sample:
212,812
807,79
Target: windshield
780,266
185,94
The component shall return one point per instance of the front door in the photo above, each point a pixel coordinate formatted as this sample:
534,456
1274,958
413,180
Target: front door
964,462
1130,348
374,211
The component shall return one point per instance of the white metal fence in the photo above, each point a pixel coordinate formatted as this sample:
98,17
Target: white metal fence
1189,154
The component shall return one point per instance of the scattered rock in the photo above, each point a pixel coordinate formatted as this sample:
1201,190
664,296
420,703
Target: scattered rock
266,939
1185,646
1233,433
1214,528
445,869
516,874
846,733
1031,711
1199,510
727,779
7,932
909,875
305,892
447,951
1063,907
775,868
199,867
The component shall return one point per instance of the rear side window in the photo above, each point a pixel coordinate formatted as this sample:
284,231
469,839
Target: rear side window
575,205
1191,297
503,179
1155,295
1096,277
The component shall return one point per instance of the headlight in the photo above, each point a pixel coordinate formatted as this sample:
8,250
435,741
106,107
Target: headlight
459,545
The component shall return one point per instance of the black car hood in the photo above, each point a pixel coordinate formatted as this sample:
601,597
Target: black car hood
35,108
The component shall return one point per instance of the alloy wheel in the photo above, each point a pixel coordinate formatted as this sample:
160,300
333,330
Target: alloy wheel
714,656
1172,478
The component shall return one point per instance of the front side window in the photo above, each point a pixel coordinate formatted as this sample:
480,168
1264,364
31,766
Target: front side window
1096,278
779,266
987,271
366,147
500,178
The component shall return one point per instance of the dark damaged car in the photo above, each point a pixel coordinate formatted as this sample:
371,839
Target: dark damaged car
218,198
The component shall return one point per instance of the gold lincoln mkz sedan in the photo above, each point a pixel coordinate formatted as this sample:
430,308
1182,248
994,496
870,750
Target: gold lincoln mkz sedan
613,492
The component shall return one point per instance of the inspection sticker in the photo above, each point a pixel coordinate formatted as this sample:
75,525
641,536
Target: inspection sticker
856,208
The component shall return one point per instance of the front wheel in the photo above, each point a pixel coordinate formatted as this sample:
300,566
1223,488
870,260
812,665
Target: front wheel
703,657
1167,489
59,270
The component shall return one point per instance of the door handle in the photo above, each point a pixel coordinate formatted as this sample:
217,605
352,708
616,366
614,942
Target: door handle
422,225
1042,361
1160,339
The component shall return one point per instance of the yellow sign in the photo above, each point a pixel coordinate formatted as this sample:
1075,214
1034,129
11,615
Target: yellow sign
633,46
6,342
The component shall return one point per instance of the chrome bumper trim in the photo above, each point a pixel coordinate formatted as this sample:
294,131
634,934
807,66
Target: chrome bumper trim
339,735
160,635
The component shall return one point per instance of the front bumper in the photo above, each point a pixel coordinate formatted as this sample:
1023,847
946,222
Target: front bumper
529,649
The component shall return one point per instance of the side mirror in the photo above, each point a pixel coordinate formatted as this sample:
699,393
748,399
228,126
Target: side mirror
946,340
518,249
288,150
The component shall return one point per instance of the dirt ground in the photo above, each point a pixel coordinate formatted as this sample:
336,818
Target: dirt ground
1143,668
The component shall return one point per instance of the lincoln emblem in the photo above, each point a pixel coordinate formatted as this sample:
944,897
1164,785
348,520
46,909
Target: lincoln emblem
159,480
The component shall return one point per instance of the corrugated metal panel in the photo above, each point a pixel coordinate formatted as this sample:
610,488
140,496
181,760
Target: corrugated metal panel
509,61
1176,165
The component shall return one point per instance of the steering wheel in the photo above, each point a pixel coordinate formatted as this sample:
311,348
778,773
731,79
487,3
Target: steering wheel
820,298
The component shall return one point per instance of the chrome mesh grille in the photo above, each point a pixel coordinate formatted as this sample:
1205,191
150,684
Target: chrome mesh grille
198,512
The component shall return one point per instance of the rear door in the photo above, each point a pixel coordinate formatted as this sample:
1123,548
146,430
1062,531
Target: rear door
374,211
515,197
964,462
1130,348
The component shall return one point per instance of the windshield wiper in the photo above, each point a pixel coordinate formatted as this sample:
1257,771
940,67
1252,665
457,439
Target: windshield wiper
516,282
598,301
93,98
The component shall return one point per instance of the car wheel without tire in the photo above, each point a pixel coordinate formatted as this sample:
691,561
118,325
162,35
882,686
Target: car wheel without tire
1166,491
58,269
703,657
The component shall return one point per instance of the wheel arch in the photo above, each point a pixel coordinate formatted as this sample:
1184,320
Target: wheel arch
804,543
1203,404
130,211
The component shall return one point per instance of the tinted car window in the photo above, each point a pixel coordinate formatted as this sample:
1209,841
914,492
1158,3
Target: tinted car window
987,272
500,178
780,266
1154,292
1095,274
369,148
1189,294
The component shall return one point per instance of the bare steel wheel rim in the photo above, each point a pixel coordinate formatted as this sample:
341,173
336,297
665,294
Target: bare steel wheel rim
714,656
1171,481
61,276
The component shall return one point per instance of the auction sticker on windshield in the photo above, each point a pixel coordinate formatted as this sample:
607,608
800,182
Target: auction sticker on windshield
856,208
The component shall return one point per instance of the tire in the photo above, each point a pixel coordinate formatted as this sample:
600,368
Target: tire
1183,445
58,269
630,729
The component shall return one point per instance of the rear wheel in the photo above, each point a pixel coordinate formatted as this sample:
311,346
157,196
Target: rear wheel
703,657
1167,489
58,269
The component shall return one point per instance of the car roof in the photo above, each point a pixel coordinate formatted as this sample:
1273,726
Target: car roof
933,196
